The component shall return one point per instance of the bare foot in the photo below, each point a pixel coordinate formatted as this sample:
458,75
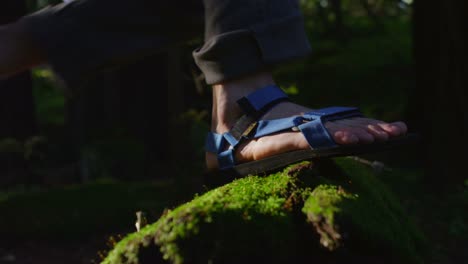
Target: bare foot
345,132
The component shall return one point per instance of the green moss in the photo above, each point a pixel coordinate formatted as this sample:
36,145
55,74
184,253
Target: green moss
323,201
253,203
321,208
301,212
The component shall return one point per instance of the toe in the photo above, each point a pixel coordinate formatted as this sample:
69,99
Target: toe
363,135
345,137
341,135
393,129
372,128
378,133
401,126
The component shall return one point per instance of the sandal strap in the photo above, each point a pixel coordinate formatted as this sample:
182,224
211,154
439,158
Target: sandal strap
261,100
214,142
226,159
334,113
268,127
254,106
311,124
315,132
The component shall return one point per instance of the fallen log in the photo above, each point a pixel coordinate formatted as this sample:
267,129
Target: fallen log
322,212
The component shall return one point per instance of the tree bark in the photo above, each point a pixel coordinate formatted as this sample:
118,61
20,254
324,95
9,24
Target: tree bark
438,105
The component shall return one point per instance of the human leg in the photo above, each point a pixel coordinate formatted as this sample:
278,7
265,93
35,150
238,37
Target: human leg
236,59
84,37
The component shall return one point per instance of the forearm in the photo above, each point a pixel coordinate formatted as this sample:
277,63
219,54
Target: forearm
18,52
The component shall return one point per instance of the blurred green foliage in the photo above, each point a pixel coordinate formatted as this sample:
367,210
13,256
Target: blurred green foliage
50,100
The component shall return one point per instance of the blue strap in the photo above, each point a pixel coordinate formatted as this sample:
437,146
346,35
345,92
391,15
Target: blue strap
317,135
311,124
254,105
333,113
261,98
213,142
216,143
230,139
226,159
315,132
268,127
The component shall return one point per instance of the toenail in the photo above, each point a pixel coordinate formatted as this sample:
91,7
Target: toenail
339,134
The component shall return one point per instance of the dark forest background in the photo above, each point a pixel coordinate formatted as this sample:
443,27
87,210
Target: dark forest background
75,167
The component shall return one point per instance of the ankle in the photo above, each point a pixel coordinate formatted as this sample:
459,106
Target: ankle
225,95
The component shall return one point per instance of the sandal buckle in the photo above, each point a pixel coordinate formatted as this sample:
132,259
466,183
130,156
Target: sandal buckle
249,129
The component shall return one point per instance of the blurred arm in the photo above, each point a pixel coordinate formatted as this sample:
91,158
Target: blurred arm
17,50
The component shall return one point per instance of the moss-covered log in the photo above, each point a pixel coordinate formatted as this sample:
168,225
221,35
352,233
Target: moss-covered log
306,213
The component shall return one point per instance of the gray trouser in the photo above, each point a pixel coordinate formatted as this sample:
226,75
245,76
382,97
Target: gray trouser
240,36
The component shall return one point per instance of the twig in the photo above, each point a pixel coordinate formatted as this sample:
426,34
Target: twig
377,166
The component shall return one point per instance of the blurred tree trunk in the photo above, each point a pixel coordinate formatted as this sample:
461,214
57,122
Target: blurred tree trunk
338,23
374,16
439,102
323,14
17,115
17,110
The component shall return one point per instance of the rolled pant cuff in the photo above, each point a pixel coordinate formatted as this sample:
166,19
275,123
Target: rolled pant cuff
242,52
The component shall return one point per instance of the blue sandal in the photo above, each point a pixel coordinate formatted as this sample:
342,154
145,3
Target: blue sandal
311,124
